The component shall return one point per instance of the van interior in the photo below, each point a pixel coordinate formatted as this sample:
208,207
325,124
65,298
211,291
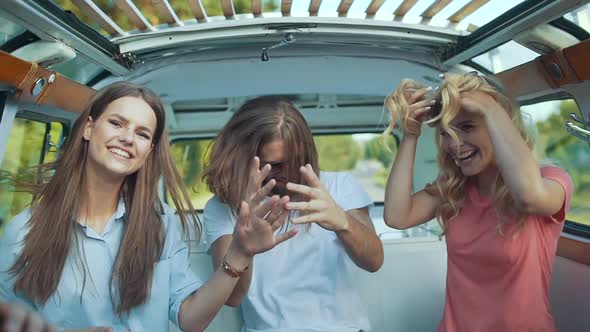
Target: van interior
337,60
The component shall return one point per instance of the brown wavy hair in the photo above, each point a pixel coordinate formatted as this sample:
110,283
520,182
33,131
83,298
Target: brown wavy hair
56,201
258,122
450,184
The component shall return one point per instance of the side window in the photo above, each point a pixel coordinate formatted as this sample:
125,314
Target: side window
364,155
189,156
29,144
558,147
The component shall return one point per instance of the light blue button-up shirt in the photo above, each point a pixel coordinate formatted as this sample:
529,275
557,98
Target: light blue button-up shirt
74,306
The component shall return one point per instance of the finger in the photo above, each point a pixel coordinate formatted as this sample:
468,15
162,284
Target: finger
244,214
101,329
310,176
277,210
308,218
314,205
4,309
423,103
263,192
420,113
15,318
263,210
254,167
35,322
301,189
285,236
263,173
280,220
419,95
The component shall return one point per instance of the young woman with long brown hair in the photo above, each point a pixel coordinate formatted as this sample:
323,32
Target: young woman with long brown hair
501,212
99,248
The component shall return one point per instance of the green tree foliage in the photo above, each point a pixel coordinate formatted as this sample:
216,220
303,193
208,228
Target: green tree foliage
382,149
567,151
147,8
337,152
189,156
23,151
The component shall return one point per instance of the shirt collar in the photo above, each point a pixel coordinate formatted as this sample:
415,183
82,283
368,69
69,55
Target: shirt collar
120,212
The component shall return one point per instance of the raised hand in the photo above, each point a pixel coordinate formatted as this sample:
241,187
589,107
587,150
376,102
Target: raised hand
478,102
418,110
16,318
254,193
321,207
254,231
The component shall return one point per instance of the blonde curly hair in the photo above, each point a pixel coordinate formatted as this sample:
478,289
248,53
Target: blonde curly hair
450,184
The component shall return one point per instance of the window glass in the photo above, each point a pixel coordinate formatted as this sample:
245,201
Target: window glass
581,17
24,150
363,155
189,156
79,69
558,147
8,30
366,156
504,57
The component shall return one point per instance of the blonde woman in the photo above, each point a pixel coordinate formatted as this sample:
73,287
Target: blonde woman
501,212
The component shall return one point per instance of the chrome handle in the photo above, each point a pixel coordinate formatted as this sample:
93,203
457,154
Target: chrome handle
580,133
575,117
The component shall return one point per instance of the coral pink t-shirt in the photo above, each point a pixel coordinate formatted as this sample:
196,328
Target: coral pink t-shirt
499,282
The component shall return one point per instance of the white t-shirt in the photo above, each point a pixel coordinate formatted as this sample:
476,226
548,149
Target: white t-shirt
304,284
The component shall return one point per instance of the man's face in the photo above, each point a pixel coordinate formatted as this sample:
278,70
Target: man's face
274,153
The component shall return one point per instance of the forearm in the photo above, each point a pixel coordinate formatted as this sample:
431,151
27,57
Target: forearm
515,160
197,312
242,285
398,191
362,244
219,250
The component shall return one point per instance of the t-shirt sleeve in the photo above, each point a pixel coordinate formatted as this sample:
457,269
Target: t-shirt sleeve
218,220
349,194
10,248
183,280
560,176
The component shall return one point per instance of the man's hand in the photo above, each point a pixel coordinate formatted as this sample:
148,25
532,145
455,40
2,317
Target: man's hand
15,318
255,194
321,207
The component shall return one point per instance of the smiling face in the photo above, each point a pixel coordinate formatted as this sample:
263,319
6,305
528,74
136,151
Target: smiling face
474,153
121,139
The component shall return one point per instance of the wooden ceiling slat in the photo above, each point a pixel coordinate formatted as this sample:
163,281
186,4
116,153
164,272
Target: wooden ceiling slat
314,7
93,12
404,7
198,10
134,14
257,8
435,8
286,7
374,7
467,10
166,12
227,6
344,7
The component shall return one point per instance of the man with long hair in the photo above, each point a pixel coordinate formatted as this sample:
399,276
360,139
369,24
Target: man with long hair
306,284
